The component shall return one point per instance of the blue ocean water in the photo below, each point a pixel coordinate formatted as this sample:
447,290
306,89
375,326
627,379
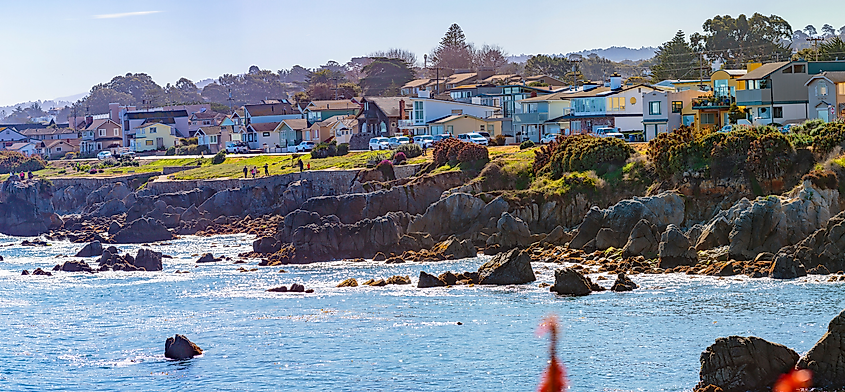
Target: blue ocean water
106,332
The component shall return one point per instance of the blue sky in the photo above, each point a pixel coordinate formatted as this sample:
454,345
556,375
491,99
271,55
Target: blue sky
59,48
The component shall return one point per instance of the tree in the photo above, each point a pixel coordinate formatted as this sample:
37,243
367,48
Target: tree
396,53
384,76
101,96
811,30
675,59
184,91
542,64
453,51
832,49
492,56
828,30
741,40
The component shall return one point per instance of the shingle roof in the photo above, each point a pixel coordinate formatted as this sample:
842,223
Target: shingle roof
835,77
264,127
388,105
446,119
98,123
341,104
296,123
210,129
763,71
46,131
274,109
417,83
461,78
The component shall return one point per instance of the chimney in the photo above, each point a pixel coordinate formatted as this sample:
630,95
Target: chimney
114,112
89,120
615,81
402,109
485,72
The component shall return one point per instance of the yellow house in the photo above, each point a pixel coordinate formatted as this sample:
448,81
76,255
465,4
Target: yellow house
154,136
458,124
712,109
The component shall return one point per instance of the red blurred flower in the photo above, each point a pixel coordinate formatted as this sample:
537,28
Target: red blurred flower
554,378
793,381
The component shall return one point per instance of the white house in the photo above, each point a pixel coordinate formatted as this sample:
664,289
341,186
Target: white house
426,110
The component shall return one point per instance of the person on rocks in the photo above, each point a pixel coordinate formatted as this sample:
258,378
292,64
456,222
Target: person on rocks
23,176
253,171
299,162
29,174
245,169
266,170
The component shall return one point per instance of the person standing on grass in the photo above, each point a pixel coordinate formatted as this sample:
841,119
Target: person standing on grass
253,172
300,165
309,165
244,171
266,170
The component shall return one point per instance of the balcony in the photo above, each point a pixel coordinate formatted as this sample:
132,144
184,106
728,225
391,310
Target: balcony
410,123
710,102
753,97
530,118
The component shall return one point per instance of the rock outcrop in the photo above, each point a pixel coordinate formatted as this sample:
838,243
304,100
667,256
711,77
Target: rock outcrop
458,211
428,280
623,283
142,230
643,241
511,232
569,281
91,249
675,250
454,249
511,267
786,266
825,246
26,207
74,266
148,259
827,358
179,347
740,364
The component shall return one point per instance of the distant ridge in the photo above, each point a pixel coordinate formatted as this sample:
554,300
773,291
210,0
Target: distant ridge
614,53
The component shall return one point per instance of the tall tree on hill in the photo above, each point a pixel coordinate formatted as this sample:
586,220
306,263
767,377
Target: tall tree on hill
828,29
453,51
742,40
145,91
832,49
384,76
183,92
542,64
396,53
100,97
811,30
675,60
492,56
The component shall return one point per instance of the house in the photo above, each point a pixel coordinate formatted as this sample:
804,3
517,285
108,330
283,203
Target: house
51,133
203,118
264,136
459,124
544,114
25,148
777,92
291,130
210,136
317,111
56,149
826,93
99,135
10,134
712,109
177,119
425,110
153,136
380,115
413,87
273,112
342,128
668,110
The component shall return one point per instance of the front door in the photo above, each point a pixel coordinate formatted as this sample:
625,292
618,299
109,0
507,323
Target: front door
159,143
823,114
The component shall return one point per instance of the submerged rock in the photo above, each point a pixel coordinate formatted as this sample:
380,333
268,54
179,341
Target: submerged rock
739,364
351,282
179,347
208,258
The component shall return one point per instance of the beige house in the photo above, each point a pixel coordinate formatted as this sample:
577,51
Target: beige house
458,124
827,96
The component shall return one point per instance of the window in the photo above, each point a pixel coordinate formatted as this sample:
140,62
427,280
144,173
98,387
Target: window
616,104
491,128
102,132
654,108
148,142
307,135
481,128
708,118
418,111
764,113
821,89
449,129
206,122
799,68
777,111
841,88
58,149
152,129
213,139
677,106
265,134
141,131
115,132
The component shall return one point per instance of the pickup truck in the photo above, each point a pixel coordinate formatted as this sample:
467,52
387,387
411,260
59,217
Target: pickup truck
608,132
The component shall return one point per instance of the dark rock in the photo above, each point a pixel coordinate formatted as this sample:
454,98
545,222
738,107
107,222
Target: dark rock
297,288
827,358
280,289
739,364
643,241
818,270
114,227
449,278
39,271
454,249
786,266
24,272
512,267
91,249
557,236
266,245
428,280
179,347
569,281
141,231
35,242
511,232
208,258
379,257
398,279
26,208
675,249
715,234
76,266
623,283
148,259
395,260
761,228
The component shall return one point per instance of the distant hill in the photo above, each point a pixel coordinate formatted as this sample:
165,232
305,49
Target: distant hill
614,53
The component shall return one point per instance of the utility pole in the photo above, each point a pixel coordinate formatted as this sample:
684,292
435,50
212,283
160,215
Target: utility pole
231,101
815,41
574,62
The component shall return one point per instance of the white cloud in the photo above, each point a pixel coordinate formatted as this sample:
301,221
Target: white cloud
125,14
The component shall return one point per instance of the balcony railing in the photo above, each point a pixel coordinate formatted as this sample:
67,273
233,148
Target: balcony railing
530,118
411,123
711,102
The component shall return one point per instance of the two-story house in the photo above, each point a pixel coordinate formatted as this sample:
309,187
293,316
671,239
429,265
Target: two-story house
712,108
269,111
666,111
543,114
291,131
317,111
826,92
380,115
203,118
100,135
177,119
427,112
154,136
614,105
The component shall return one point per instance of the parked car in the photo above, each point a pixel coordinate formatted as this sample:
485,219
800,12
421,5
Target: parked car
473,137
735,127
237,147
486,135
442,136
608,132
549,137
304,146
788,128
379,143
127,155
635,137
103,155
424,141
397,141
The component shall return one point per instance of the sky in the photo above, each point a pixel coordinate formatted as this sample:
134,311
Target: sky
58,48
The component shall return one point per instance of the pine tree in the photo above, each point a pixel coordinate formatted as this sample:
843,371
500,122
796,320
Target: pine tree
453,51
675,60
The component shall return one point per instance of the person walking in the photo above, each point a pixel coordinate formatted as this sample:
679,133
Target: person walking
309,165
266,170
300,165
245,171
253,172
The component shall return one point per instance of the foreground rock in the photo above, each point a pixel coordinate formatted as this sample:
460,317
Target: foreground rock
569,281
428,280
26,208
623,283
74,266
739,364
294,288
827,358
145,260
91,249
141,231
511,267
675,249
208,258
179,347
786,266
148,259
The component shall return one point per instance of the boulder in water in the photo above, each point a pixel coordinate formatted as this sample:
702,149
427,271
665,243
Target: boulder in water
76,266
623,283
569,281
827,358
511,267
208,258
786,266
179,347
143,230
91,249
739,364
427,280
148,259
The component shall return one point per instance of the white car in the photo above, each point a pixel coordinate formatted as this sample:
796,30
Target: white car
608,132
379,143
549,137
424,141
237,147
304,146
473,137
103,155
397,141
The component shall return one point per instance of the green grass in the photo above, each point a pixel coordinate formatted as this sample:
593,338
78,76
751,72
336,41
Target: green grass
571,181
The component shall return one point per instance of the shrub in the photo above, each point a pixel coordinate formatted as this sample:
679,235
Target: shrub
526,144
498,140
399,158
342,149
800,140
472,152
170,151
580,153
454,151
822,179
324,150
188,141
770,156
71,155
219,158
374,160
191,149
410,150
827,137
386,169
13,161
